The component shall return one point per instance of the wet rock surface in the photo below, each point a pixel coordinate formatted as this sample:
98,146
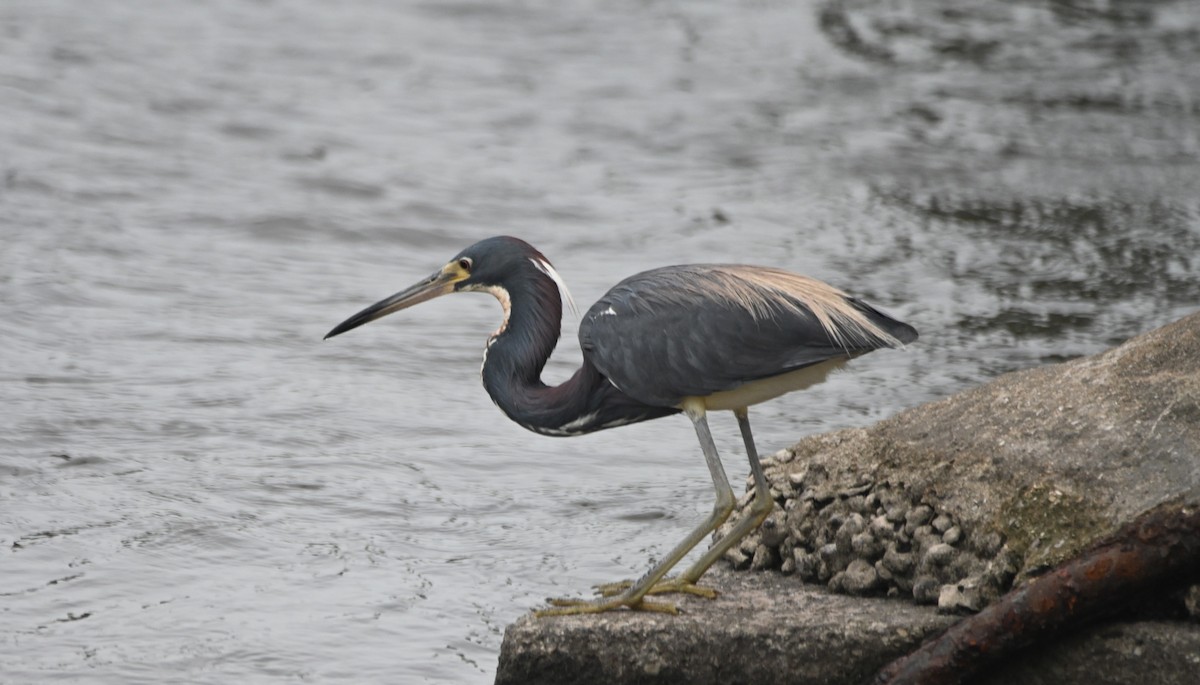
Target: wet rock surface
762,626
765,628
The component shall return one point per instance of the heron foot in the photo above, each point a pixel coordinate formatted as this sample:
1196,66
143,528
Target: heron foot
662,587
569,607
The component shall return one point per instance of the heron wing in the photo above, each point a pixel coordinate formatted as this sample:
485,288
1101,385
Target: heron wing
694,330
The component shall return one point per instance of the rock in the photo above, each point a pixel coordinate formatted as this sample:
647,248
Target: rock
896,512
737,558
860,578
924,537
851,526
865,546
882,571
762,625
749,544
989,544
940,554
915,518
773,529
926,590
808,564
766,628
788,565
897,562
942,523
1191,601
1034,466
764,558
859,489
962,596
882,529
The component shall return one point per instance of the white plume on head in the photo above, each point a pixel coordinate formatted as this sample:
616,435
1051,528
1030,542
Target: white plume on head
545,267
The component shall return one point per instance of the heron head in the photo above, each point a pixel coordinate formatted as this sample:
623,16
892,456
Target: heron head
489,265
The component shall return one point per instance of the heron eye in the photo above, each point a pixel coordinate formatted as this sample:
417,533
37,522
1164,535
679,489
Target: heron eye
465,263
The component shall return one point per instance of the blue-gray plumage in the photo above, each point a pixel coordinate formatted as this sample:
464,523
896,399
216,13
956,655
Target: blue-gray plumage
705,328
691,338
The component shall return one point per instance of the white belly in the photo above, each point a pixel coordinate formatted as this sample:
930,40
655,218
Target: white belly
770,388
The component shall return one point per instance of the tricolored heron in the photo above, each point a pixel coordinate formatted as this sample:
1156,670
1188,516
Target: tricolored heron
691,338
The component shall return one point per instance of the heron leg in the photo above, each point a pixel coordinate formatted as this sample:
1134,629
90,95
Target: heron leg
633,595
762,506
759,510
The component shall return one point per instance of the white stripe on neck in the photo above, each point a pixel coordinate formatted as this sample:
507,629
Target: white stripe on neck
544,266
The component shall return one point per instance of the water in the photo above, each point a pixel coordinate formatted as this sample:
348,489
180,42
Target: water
195,488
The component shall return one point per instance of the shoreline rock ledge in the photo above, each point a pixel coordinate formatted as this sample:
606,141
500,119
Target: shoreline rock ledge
951,503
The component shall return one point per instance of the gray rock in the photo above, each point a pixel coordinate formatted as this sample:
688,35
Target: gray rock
964,596
844,538
761,626
860,578
764,558
737,558
926,590
882,529
884,573
951,536
989,544
924,537
1035,466
897,562
765,628
1191,601
865,546
749,544
940,554
915,518
829,554
774,529
808,564
896,512
788,565
942,523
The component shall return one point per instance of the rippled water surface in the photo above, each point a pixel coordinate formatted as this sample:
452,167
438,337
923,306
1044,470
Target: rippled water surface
194,487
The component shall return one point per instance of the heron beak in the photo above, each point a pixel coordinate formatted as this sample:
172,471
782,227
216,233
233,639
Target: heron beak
440,283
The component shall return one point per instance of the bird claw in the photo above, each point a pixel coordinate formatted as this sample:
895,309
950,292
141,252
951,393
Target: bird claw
666,586
686,587
611,589
570,607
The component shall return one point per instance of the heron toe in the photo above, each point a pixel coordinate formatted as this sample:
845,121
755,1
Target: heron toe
684,586
662,587
570,607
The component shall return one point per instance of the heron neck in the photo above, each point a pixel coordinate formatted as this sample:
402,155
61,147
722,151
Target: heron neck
517,353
